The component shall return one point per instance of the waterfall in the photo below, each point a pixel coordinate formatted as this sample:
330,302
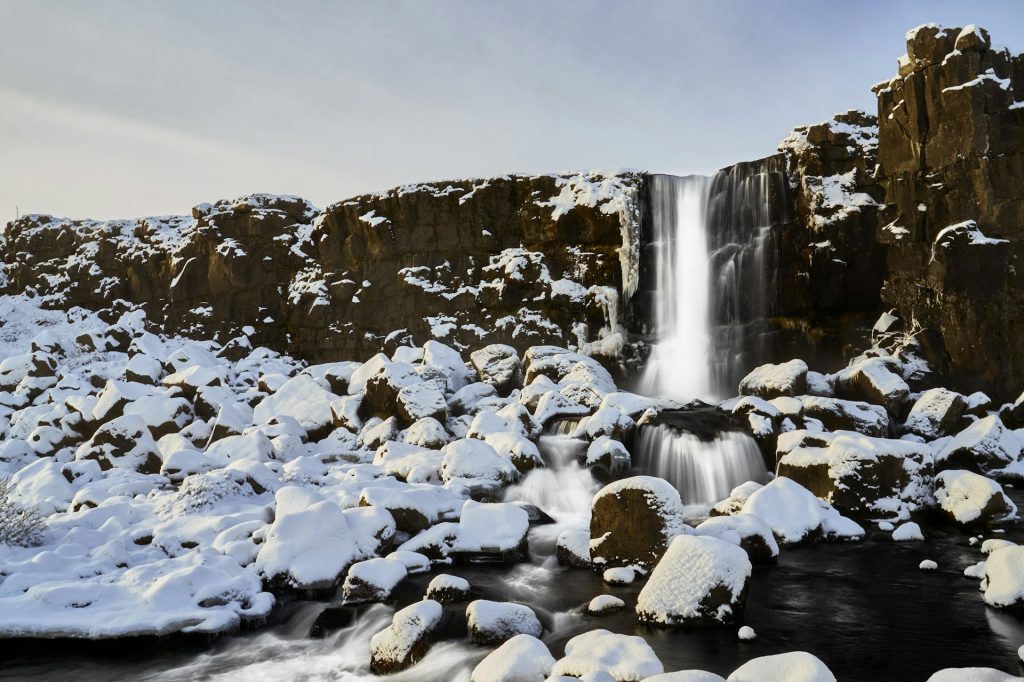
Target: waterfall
679,363
562,488
703,472
712,282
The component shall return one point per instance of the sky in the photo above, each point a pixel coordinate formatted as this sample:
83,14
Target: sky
124,108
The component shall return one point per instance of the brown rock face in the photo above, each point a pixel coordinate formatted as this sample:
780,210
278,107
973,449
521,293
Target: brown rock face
951,161
467,262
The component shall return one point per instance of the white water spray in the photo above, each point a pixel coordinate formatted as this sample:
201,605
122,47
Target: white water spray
679,366
703,472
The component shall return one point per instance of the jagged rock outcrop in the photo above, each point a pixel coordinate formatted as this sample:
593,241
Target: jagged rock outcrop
515,260
951,162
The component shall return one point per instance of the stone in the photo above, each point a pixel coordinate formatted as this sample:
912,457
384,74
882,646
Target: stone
836,414
700,580
862,477
772,381
492,622
498,365
936,413
970,499
633,520
986,446
405,641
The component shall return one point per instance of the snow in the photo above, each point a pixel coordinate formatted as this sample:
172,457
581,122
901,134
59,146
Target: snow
738,527
302,398
626,658
523,658
794,666
408,627
746,633
794,513
1004,577
605,602
986,441
770,381
928,565
471,459
491,621
973,675
908,531
309,542
620,575
691,569
381,575
491,527
965,494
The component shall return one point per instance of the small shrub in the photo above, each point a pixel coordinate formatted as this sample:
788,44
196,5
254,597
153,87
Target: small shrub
20,526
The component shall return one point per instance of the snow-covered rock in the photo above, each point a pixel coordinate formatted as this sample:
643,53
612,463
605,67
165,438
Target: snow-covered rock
699,580
499,366
626,658
973,675
373,579
796,515
847,415
874,379
936,413
471,460
1003,584
860,476
986,446
302,398
523,658
608,456
420,401
604,603
446,589
771,381
573,548
404,642
794,666
633,521
492,528
309,544
969,498
492,622
744,530
907,532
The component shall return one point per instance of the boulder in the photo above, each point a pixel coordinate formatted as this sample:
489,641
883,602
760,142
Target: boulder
421,401
968,498
573,548
700,580
847,415
796,515
793,666
624,657
771,381
875,380
604,603
301,398
499,366
471,459
522,658
633,520
373,580
495,531
609,457
936,413
744,530
447,589
1003,584
860,476
405,641
380,394
986,446
492,622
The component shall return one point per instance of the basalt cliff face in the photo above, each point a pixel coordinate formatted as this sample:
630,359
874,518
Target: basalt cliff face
919,211
517,260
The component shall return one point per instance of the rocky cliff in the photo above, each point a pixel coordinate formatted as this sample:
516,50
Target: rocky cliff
517,260
951,162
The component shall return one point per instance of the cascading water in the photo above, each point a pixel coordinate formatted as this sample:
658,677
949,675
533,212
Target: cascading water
678,366
702,471
712,281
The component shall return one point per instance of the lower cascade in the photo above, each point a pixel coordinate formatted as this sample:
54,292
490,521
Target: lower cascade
703,471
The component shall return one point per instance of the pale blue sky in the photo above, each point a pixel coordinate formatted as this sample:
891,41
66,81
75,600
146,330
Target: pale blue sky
119,108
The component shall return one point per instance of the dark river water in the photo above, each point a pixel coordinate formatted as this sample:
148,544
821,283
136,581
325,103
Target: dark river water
865,609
